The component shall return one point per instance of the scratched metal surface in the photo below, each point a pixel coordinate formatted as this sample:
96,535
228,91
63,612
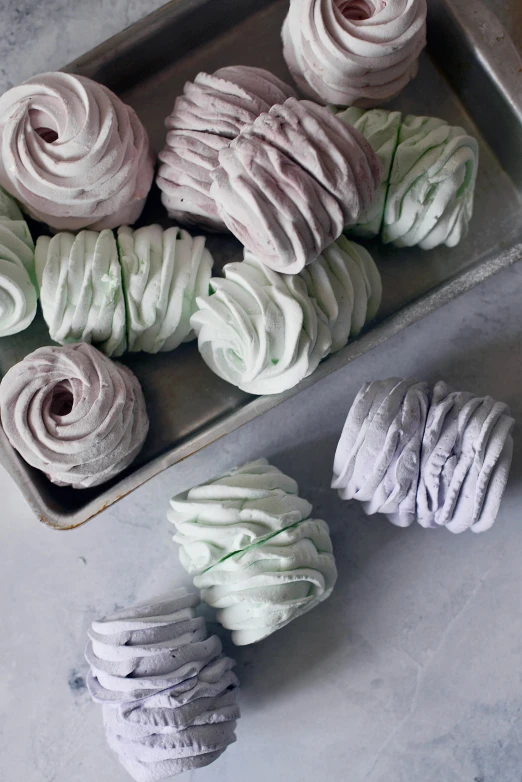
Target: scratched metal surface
471,75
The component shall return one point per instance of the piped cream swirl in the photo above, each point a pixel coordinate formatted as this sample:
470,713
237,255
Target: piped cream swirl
72,153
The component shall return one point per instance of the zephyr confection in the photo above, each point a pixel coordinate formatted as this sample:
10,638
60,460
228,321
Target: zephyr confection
429,175
132,292
264,331
72,153
18,295
163,273
74,414
169,695
212,110
253,549
436,456
346,286
81,289
432,185
259,330
290,182
349,52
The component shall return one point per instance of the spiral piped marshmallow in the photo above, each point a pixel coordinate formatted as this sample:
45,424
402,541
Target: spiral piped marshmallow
74,414
72,153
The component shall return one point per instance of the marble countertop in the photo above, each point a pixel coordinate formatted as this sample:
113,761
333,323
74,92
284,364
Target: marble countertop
410,671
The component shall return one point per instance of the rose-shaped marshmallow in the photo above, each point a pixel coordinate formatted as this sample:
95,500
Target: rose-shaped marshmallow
345,284
163,273
439,457
18,294
81,289
212,111
354,51
259,330
74,414
169,695
72,153
290,182
255,553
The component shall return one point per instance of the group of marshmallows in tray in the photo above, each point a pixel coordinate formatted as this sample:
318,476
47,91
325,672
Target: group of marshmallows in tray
288,177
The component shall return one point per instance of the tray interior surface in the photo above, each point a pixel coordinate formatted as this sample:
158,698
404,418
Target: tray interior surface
183,396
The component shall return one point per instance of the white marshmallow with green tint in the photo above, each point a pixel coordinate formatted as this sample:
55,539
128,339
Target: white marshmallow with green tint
429,175
346,286
260,330
163,273
81,290
432,183
18,295
253,549
381,129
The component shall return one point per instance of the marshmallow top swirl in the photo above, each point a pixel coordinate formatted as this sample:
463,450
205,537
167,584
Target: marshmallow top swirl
18,293
260,330
429,175
212,110
74,414
256,554
72,153
168,693
354,51
440,457
290,182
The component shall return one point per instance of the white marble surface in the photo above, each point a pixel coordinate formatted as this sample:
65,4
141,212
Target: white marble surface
411,671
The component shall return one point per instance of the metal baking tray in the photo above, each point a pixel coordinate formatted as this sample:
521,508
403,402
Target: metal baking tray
471,75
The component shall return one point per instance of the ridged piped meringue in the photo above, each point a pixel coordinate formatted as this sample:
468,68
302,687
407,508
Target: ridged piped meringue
211,111
354,51
74,414
260,330
429,175
18,294
169,694
432,184
227,101
241,507
381,128
184,177
439,457
163,273
346,286
257,556
72,153
290,182
81,289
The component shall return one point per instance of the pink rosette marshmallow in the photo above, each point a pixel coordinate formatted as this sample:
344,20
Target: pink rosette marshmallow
211,112
73,154
74,414
349,52
291,181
